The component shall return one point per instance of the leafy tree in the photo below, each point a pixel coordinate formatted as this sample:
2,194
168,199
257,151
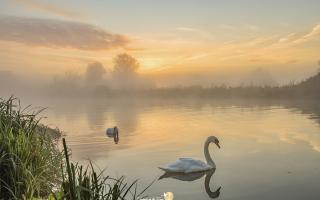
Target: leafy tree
125,64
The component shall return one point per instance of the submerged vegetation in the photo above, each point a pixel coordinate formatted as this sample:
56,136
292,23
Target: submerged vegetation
33,167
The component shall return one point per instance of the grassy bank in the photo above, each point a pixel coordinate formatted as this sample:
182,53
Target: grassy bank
32,166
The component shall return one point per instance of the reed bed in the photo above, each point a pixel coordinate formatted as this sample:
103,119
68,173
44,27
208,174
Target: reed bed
28,154
33,167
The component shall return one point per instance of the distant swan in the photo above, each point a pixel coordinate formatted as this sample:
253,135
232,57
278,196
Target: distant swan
190,165
113,133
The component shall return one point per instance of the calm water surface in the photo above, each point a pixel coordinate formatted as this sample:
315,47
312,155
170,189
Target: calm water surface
268,150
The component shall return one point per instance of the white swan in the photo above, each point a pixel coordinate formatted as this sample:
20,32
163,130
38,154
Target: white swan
189,165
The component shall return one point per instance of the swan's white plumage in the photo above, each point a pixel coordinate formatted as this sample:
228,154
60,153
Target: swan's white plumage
187,165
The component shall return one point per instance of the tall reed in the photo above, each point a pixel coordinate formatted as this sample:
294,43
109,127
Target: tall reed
84,183
28,154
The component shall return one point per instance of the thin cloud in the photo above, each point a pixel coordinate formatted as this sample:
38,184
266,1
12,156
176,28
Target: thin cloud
227,27
251,27
198,56
262,41
49,8
313,34
187,29
288,38
266,49
202,33
58,33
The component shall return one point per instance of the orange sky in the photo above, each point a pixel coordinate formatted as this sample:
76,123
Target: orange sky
42,38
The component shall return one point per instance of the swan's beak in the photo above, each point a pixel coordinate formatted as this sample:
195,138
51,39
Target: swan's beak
218,145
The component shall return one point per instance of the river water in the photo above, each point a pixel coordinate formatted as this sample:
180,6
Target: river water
269,149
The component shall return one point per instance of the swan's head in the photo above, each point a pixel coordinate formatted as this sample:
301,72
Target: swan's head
214,140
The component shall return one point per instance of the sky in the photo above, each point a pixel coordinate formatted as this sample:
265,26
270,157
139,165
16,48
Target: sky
176,41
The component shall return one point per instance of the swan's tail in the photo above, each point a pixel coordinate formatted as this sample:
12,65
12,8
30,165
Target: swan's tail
165,169
165,175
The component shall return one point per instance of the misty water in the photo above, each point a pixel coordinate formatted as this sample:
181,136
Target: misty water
269,149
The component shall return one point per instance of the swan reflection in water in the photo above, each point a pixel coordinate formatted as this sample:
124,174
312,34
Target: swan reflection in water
195,176
113,133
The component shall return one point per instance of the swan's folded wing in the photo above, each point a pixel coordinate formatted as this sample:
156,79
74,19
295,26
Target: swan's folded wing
176,166
190,160
193,165
193,162
186,165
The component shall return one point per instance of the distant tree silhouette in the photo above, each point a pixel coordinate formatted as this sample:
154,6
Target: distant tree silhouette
125,64
125,71
94,72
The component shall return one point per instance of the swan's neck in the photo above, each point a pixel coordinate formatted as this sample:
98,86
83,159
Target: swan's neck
207,154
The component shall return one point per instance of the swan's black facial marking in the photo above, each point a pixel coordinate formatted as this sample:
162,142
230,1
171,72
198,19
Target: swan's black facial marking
217,142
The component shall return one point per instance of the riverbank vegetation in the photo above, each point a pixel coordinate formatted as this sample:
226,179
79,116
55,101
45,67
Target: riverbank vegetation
33,167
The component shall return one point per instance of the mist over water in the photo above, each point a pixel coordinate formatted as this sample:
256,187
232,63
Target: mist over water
124,77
